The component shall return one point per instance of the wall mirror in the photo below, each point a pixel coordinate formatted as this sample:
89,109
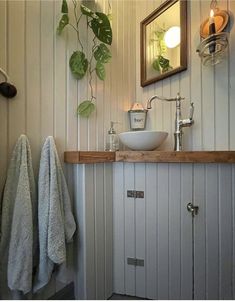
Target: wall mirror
164,42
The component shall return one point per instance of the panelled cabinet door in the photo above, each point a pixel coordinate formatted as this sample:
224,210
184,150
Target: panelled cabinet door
214,231
185,256
156,229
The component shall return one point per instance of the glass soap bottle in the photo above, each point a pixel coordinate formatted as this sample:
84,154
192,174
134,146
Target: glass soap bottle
112,140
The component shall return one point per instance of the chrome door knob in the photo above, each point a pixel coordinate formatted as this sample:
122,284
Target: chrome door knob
192,209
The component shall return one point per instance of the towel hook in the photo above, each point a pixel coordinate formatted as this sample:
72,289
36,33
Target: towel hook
7,89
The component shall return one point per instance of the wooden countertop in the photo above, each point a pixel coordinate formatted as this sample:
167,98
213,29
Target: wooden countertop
91,157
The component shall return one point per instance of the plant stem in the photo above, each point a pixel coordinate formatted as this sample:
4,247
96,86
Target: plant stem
92,70
77,23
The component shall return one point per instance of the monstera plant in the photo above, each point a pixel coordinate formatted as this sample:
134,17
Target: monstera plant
80,62
160,63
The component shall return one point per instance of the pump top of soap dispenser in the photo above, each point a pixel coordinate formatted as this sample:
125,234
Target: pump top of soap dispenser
111,130
112,140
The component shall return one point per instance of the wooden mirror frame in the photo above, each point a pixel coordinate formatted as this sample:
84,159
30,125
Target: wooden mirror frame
183,44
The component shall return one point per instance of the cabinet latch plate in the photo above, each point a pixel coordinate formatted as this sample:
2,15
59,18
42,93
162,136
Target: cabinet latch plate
135,261
135,194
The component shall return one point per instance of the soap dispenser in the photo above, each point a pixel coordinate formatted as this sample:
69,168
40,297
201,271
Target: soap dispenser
112,140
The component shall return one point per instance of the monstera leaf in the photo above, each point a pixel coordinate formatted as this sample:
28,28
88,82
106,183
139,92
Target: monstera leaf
78,64
86,11
102,28
102,54
85,108
63,22
156,65
100,70
64,7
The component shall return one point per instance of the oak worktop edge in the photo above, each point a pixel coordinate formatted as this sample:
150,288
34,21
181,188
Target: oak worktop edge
85,157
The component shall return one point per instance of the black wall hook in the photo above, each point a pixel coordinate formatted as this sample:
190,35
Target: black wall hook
7,89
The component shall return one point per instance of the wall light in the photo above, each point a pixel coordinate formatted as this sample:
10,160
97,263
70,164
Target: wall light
212,48
172,37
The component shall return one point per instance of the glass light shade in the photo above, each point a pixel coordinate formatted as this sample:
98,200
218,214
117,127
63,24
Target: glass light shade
172,37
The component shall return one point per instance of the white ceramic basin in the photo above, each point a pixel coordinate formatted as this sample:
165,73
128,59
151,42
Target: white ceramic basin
143,140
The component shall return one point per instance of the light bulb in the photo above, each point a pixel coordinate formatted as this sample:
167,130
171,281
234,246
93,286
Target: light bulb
172,37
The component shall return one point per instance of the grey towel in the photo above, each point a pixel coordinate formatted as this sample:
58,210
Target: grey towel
56,221
19,221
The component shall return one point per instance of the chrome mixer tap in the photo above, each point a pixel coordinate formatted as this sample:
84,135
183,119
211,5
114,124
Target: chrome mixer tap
179,122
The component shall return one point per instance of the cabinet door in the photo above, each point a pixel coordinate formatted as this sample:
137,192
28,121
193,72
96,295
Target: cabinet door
156,229
214,231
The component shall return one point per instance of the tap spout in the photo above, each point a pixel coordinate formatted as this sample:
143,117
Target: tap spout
161,98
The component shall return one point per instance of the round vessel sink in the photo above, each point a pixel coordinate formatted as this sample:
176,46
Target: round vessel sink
143,140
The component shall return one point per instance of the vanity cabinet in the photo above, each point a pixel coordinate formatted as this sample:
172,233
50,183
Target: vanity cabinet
161,250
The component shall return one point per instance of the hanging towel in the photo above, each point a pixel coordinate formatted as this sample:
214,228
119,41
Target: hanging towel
55,218
19,221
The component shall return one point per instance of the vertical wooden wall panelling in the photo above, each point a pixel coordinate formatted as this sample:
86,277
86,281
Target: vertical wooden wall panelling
4,103
60,73
140,230
184,81
174,231
119,261
212,231
99,230
196,79
231,75
130,225
16,69
72,89
130,41
151,201
208,94
80,239
115,64
108,229
199,235
233,226
225,231
108,102
186,175
83,92
163,231
222,100
91,122
90,255
33,76
47,69
99,88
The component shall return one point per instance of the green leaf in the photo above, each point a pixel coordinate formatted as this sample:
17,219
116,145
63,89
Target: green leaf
163,46
86,11
85,108
163,62
100,71
102,28
64,8
102,54
156,65
63,22
78,64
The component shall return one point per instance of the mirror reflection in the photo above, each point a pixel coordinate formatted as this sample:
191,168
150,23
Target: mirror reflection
163,42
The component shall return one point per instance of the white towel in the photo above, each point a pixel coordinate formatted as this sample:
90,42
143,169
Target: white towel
19,221
55,218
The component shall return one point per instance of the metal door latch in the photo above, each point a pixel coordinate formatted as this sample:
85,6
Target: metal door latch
192,209
135,194
135,261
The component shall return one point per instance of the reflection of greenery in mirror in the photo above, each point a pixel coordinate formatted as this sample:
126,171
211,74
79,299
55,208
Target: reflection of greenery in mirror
160,63
80,62
164,41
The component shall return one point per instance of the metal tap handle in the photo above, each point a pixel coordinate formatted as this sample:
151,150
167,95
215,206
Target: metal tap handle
191,111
